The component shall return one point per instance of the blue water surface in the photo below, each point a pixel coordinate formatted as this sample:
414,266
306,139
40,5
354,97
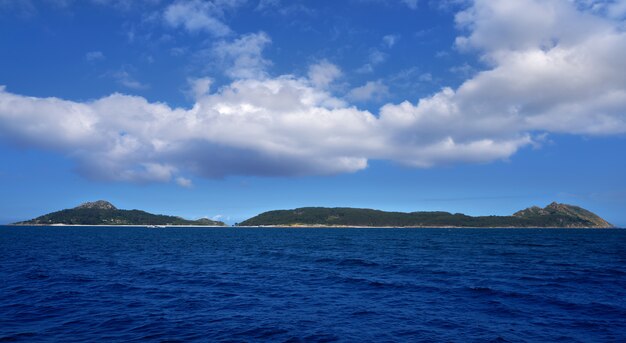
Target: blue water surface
75,284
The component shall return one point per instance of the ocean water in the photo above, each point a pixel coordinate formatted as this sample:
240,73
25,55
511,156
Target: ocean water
76,284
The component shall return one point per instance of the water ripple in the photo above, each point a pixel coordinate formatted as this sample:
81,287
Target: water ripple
298,285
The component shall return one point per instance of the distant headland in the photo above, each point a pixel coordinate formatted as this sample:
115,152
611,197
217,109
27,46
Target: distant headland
104,213
554,215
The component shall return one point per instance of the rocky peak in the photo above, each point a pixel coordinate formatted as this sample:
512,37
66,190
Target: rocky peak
531,211
99,205
564,210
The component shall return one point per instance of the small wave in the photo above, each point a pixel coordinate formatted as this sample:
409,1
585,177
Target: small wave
369,283
496,292
36,275
615,272
325,260
535,245
427,286
160,338
262,332
321,338
485,290
22,336
357,263
364,313
116,323
81,278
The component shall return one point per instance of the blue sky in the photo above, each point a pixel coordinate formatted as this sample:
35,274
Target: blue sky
227,108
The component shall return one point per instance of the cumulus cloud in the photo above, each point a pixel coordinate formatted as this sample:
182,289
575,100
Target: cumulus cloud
280,126
563,77
553,67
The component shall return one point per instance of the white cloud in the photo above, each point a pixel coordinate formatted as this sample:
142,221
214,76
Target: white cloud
370,91
323,73
199,87
564,77
273,127
125,79
553,67
184,182
375,58
242,58
94,56
425,77
196,15
279,126
219,217
501,25
465,70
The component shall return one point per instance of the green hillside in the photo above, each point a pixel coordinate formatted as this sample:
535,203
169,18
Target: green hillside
554,215
104,213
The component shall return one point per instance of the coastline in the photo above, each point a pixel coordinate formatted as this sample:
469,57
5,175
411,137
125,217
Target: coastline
553,216
101,225
410,227
307,227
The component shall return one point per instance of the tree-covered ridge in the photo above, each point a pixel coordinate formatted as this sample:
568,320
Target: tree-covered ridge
104,213
554,215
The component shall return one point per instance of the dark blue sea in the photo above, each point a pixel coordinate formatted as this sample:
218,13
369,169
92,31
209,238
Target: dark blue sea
76,284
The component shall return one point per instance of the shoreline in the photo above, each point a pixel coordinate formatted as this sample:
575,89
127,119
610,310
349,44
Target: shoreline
151,226
412,227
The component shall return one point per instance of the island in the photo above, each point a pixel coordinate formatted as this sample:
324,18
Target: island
104,213
554,215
